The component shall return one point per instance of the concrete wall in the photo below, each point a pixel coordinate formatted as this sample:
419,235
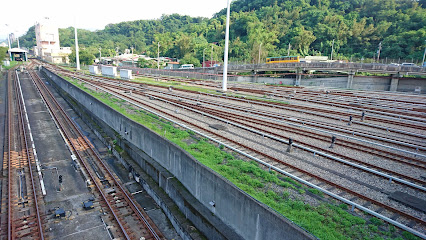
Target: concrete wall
242,214
409,85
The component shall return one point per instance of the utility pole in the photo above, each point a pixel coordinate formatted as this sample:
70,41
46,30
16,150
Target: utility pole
288,52
225,64
158,55
77,59
17,38
260,48
211,57
204,58
424,55
332,50
100,55
378,53
8,40
132,55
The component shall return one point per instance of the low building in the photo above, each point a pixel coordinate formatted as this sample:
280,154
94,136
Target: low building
60,55
172,65
17,54
211,64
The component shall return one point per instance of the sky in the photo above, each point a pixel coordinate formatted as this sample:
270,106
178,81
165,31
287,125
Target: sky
94,15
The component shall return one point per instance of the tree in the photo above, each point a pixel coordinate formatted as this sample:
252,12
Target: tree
3,53
143,63
357,26
303,40
189,58
86,58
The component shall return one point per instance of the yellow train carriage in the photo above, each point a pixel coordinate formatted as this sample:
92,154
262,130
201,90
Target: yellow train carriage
284,59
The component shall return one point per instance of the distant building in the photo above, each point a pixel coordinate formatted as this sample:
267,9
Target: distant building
172,65
48,46
3,44
211,63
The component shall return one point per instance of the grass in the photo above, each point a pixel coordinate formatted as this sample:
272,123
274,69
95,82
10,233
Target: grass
12,64
325,220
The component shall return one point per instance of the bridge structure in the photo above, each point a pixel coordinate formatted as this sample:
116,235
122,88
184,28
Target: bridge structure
393,77
330,66
394,71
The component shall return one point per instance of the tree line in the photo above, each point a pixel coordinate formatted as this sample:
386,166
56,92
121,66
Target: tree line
262,28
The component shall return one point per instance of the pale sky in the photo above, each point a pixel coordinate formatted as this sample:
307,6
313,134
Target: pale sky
91,15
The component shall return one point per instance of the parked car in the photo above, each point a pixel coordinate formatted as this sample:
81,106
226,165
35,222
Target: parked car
187,66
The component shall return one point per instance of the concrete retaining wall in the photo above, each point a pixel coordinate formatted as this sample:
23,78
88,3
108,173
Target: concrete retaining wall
243,216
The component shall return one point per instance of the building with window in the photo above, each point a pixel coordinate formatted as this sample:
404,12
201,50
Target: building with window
48,46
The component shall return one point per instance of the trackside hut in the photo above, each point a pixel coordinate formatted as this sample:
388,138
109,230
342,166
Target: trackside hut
18,54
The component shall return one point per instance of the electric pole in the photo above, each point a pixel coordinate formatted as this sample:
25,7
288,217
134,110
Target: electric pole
260,48
158,55
288,52
77,59
424,54
225,64
378,53
332,50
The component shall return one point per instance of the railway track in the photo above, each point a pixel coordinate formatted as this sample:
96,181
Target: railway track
387,108
236,143
125,217
253,123
118,91
324,114
21,194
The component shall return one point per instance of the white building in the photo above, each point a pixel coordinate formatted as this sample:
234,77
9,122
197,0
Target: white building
48,46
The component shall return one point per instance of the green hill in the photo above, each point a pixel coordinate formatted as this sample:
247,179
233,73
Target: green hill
309,26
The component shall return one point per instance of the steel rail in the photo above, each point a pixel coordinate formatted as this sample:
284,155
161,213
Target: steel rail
315,129
133,102
285,107
9,122
22,119
308,149
400,225
132,204
76,152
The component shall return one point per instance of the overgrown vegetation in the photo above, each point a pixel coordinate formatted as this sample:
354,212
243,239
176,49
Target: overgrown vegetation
326,220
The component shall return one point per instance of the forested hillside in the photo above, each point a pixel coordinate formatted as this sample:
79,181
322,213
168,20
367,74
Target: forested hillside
309,26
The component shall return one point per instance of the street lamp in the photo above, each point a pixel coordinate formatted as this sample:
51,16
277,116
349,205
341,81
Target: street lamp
225,64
